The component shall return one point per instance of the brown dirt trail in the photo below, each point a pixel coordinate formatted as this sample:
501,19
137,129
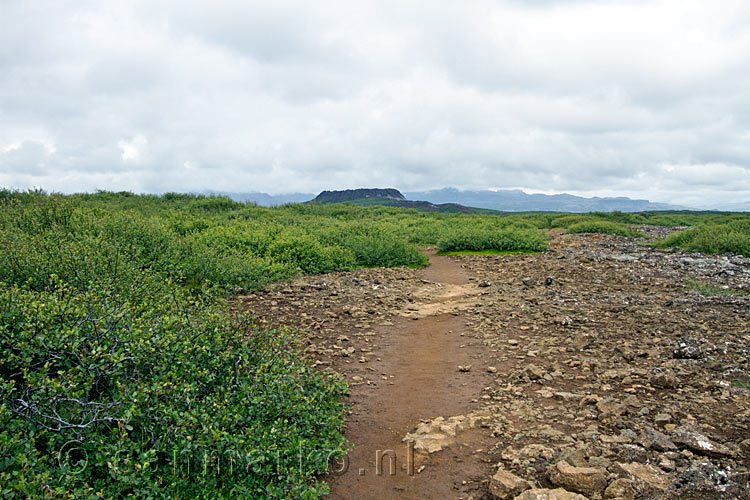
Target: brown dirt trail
421,360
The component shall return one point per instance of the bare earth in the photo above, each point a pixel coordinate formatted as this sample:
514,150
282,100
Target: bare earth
595,367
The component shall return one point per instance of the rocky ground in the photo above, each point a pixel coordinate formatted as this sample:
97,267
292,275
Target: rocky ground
600,369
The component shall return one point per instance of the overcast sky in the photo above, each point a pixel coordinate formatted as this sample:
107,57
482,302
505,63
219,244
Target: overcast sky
643,98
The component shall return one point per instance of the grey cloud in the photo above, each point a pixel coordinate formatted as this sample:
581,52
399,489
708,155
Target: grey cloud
29,158
589,97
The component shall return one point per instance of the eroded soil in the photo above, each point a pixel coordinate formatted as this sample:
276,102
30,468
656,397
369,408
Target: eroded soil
601,354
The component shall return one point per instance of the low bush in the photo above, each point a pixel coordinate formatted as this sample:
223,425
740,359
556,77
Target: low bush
603,226
310,256
511,239
732,237
169,398
123,376
374,246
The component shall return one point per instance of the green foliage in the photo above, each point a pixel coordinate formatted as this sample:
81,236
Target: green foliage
310,255
163,398
122,375
507,239
603,226
712,238
376,246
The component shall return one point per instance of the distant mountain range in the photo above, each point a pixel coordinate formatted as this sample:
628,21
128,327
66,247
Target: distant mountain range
508,200
515,200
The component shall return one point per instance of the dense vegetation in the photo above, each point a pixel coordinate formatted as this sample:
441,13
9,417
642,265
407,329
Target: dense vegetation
729,236
123,373
512,238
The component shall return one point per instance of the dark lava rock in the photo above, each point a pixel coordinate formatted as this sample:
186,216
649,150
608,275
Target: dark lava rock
689,348
704,480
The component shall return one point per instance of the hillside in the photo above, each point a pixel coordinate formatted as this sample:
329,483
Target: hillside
393,198
358,194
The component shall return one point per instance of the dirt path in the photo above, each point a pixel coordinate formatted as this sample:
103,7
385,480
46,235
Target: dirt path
420,362
604,353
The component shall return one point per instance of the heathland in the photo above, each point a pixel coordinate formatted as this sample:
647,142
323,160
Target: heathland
127,369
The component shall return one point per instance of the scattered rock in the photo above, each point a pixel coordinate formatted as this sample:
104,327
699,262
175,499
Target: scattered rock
610,406
703,480
623,258
587,480
505,485
662,419
464,368
434,435
583,341
574,457
651,438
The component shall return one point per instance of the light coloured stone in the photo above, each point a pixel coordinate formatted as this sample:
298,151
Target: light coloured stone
620,488
646,477
587,480
697,442
506,485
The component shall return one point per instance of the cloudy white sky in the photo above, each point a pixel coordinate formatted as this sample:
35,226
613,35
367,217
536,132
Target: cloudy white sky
643,98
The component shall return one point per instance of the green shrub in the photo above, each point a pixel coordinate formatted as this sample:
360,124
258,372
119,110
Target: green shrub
163,399
603,226
508,239
732,237
310,256
567,220
374,246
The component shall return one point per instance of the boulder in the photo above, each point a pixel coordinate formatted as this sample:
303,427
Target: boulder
506,485
689,348
646,479
620,488
653,439
694,440
590,481
533,372
574,457
665,379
